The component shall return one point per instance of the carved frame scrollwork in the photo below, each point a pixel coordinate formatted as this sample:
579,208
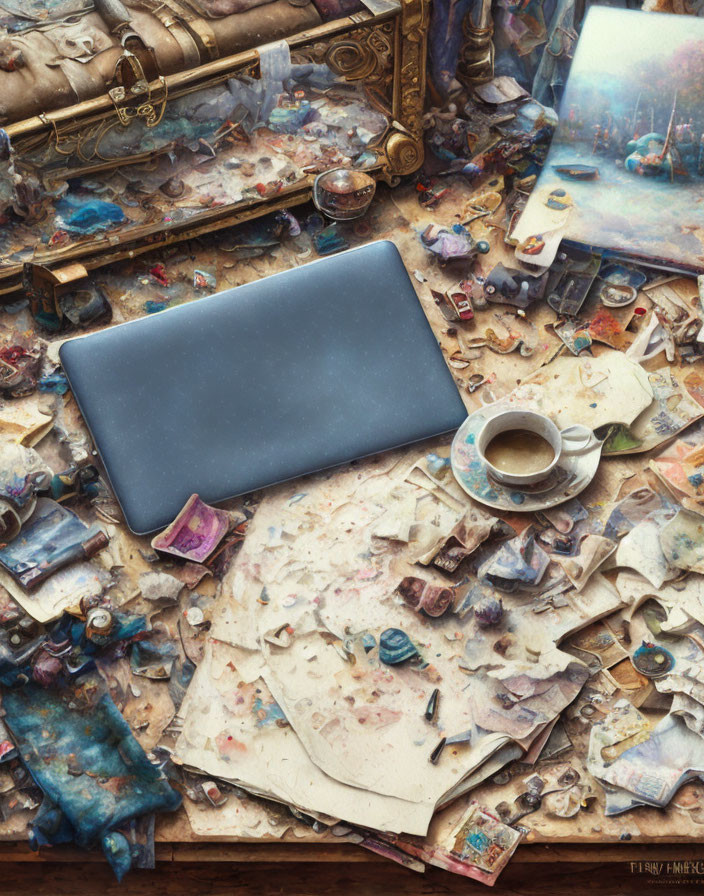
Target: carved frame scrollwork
404,146
383,53
390,59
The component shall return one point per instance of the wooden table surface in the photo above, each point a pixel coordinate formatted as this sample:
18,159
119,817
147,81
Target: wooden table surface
548,865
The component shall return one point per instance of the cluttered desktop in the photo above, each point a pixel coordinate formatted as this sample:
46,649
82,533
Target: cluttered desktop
375,520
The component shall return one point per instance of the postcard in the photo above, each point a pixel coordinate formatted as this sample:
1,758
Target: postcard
52,538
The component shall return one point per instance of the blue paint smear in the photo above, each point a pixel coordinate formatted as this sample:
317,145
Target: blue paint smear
53,382
696,479
89,217
152,307
267,713
437,464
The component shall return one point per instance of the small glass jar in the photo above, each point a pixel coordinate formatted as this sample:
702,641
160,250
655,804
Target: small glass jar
343,194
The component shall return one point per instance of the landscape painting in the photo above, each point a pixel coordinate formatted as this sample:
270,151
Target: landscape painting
625,171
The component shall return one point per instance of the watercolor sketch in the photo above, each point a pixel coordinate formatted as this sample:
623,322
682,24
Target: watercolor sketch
625,170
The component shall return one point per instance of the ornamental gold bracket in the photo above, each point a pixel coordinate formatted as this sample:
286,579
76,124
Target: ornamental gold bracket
133,96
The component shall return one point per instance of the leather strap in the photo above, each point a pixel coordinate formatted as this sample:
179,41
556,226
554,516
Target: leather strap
198,29
118,18
178,30
147,58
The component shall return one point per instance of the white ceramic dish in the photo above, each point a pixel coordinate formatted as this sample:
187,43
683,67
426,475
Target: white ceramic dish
567,479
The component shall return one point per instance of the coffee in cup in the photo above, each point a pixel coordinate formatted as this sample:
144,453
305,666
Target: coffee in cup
519,447
519,451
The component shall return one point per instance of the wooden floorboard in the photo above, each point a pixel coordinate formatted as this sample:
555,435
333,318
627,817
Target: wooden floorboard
335,879
277,870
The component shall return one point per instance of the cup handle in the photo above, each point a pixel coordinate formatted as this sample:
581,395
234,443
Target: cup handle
577,439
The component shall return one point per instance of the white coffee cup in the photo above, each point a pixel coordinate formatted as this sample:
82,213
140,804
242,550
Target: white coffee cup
572,440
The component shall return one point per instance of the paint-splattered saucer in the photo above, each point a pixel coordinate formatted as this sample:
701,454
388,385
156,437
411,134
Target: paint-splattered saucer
571,476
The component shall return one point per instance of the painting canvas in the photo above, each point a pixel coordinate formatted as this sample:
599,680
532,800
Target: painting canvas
625,171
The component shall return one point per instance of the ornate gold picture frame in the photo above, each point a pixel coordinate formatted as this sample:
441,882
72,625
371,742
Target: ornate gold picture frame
383,55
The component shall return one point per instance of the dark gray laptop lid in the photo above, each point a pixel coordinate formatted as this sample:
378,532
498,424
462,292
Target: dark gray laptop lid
304,370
